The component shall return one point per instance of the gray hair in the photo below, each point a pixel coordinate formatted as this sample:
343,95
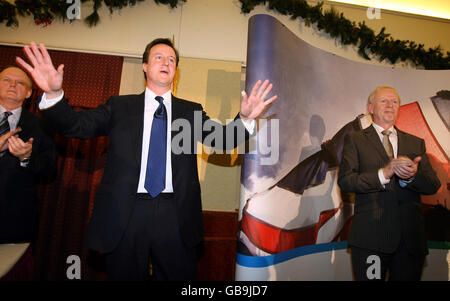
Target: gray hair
379,88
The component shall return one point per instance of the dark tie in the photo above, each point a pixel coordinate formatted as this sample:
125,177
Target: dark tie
155,178
387,144
4,124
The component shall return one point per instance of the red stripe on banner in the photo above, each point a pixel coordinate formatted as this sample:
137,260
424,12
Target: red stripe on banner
272,239
323,218
411,120
345,231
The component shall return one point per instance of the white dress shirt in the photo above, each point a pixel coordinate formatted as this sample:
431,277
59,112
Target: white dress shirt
394,141
151,104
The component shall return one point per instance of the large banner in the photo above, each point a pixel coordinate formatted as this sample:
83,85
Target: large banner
294,219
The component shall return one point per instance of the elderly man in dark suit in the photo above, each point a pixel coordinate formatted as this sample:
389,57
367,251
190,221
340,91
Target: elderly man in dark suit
26,152
388,170
148,205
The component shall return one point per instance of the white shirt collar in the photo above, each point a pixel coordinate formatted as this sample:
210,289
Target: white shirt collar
14,118
15,111
149,94
379,129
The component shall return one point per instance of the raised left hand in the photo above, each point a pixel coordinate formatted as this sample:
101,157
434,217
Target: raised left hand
254,104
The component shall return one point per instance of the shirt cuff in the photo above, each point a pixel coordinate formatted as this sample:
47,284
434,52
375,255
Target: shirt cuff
383,180
249,125
404,183
24,164
46,103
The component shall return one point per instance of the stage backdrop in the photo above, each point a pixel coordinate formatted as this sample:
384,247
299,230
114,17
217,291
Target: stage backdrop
294,219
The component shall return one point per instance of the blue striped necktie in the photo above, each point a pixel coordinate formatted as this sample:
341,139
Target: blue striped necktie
4,124
155,178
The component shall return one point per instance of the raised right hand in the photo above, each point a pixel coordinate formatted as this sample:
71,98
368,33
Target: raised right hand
42,70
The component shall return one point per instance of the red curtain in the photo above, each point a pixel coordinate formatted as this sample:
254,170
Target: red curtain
66,203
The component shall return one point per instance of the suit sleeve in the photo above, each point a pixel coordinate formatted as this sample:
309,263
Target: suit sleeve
83,124
425,181
43,156
352,176
223,137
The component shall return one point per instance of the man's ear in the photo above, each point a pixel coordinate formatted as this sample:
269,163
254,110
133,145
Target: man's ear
370,108
30,91
144,69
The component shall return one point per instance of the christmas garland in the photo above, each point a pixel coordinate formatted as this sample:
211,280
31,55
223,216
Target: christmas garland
381,45
45,11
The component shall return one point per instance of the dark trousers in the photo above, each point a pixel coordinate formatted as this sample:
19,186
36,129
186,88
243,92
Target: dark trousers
400,265
152,236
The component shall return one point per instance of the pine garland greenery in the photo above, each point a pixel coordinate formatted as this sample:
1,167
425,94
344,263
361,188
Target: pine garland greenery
44,12
381,46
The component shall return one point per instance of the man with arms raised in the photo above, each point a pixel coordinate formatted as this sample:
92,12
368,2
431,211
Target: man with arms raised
148,205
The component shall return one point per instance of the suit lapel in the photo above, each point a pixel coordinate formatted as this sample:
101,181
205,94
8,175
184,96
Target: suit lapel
375,142
176,114
136,117
176,109
24,123
401,141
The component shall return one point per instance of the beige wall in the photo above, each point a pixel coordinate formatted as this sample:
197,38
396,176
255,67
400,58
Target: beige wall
211,36
216,85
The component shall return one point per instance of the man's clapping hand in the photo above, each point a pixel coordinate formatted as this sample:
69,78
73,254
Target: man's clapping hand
405,168
402,166
5,137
